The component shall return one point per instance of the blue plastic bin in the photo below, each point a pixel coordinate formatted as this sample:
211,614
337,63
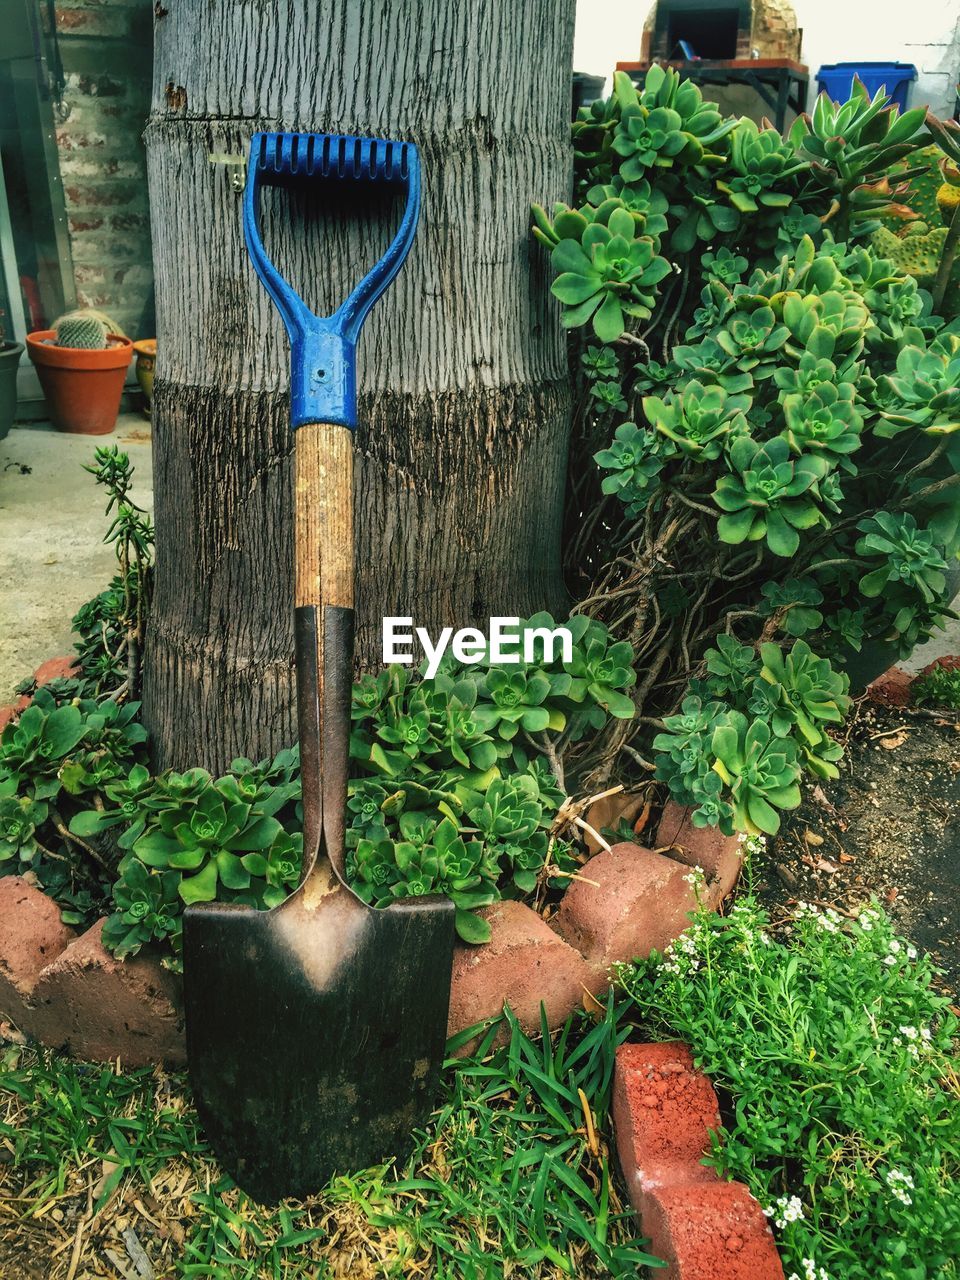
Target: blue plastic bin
896,77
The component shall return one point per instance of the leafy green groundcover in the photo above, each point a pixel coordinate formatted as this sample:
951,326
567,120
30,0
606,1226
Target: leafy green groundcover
510,1178
833,1059
456,792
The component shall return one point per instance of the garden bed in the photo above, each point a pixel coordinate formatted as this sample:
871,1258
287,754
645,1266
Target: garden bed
887,828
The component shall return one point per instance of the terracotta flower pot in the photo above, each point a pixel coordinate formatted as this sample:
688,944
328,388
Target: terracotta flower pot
82,387
146,350
10,353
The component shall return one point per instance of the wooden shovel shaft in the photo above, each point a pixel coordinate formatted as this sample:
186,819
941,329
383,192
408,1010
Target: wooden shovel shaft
323,516
323,596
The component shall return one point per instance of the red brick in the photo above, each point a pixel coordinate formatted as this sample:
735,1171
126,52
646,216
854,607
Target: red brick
712,1231
892,689
94,21
31,936
85,223
13,709
949,662
628,902
55,669
522,965
663,1113
102,194
610,812
705,847
97,1007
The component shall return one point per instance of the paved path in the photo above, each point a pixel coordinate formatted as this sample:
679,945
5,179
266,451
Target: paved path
52,555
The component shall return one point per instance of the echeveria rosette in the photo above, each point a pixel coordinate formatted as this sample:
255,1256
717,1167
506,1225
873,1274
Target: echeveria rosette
683,759
709,363
697,418
832,323
908,555
513,699
700,213
647,204
146,908
633,463
801,693
897,308
753,339
724,265
650,139
429,855
600,363
208,839
20,817
812,372
760,770
794,601
606,275
923,392
824,420
769,494
608,397
600,670
731,668
760,164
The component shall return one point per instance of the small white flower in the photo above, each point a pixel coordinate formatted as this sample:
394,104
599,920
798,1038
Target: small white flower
900,1184
888,960
911,953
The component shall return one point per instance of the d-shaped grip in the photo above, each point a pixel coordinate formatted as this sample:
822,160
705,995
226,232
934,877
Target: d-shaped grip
323,380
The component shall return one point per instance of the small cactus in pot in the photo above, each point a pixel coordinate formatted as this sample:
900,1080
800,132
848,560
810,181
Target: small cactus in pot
81,333
82,364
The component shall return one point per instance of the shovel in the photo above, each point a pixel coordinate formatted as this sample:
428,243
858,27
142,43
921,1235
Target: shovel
315,1030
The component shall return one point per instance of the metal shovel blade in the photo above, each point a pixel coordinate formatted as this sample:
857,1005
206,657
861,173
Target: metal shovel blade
315,1031
314,1035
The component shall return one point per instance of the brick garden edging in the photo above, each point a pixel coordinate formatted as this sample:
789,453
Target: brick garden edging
702,1226
72,994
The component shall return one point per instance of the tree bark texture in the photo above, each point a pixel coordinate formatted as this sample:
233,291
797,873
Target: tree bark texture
464,400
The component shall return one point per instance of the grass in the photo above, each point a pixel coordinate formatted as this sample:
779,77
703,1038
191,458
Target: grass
511,1179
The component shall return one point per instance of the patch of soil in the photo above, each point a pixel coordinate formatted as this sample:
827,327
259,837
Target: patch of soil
888,827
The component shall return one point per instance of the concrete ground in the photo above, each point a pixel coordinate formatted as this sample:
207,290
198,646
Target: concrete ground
52,555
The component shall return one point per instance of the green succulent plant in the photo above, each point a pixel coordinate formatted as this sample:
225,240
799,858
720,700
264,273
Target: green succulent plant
708,362
633,462
824,419
802,693
769,495
697,418
813,372
760,770
648,139
853,147
761,164
924,391
724,265
796,601
753,340
607,275
908,555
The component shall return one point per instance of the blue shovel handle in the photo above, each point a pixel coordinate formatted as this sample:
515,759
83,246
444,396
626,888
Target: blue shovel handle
323,349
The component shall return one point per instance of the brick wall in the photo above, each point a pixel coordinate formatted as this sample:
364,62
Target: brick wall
106,49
